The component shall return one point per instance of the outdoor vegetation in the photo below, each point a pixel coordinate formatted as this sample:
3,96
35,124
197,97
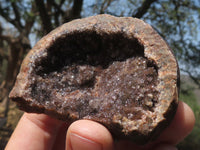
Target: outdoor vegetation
187,95
24,22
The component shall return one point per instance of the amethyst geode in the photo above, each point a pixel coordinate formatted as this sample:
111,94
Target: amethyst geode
114,70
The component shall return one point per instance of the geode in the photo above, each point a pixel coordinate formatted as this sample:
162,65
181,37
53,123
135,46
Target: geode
114,70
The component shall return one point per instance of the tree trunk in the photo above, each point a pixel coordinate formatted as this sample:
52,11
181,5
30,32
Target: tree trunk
16,52
14,61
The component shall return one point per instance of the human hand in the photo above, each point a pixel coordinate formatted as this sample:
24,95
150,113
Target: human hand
41,132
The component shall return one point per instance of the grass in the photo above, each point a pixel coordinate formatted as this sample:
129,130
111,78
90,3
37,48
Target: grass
191,142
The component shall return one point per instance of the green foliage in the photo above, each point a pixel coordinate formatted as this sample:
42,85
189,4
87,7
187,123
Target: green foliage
192,142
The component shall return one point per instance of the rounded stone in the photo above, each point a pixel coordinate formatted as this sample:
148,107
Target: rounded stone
117,71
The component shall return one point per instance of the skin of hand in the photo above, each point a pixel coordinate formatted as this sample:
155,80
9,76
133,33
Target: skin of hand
41,132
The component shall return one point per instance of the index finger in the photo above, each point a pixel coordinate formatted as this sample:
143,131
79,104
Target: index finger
181,125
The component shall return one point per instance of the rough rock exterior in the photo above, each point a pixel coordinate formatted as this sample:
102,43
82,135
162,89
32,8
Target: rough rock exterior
116,71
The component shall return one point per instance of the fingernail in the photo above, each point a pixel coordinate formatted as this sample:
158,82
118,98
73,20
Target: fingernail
81,143
166,147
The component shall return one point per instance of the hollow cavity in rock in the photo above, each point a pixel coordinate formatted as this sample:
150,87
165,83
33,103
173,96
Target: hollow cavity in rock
96,76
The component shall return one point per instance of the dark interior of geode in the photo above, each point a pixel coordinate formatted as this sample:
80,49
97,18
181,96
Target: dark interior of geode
95,76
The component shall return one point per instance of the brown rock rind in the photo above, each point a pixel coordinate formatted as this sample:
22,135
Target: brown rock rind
116,71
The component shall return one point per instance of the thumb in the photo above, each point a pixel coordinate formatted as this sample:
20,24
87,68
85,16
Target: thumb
88,135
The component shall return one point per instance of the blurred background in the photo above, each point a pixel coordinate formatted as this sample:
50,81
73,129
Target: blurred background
24,22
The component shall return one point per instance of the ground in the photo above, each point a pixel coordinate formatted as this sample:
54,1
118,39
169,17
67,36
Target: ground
14,115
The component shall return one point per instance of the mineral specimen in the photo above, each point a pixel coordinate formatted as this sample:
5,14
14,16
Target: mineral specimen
116,71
